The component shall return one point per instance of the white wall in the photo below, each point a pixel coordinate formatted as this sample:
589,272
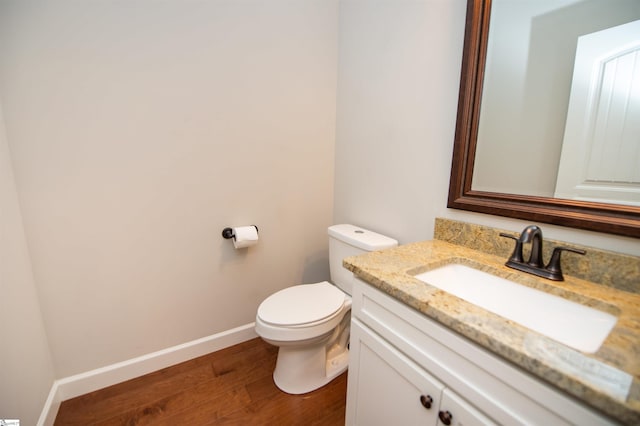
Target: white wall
139,130
26,368
398,77
399,65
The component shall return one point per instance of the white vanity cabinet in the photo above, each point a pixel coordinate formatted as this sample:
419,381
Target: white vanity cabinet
406,369
394,390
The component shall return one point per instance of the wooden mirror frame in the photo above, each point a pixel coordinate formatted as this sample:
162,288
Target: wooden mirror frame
593,216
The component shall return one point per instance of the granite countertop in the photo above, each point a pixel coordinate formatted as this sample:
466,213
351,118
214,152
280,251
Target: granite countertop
608,380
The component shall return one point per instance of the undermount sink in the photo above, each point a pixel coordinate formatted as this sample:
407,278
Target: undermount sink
575,325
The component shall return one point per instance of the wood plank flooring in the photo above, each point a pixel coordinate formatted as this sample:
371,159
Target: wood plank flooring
229,387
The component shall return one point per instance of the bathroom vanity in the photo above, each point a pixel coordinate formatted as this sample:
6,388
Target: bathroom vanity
420,355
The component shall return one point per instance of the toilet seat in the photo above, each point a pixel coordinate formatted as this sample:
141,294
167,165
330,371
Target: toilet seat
302,305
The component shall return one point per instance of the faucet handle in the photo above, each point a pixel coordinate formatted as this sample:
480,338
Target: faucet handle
554,263
516,256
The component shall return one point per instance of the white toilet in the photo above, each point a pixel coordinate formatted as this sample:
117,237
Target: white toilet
310,323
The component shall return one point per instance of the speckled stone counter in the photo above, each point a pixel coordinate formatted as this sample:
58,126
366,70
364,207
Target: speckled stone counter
608,380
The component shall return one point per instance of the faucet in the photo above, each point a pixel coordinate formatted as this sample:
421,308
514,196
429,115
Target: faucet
535,265
533,234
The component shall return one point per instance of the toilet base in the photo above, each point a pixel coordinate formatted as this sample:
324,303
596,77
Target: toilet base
300,371
308,364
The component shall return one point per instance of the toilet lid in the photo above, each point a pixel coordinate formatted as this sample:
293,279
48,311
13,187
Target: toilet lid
301,304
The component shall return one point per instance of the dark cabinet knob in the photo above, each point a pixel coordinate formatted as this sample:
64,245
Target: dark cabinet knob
445,417
426,401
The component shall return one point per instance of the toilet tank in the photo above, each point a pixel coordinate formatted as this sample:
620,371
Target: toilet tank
349,240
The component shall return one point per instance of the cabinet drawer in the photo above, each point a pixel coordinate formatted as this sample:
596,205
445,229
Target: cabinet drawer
503,392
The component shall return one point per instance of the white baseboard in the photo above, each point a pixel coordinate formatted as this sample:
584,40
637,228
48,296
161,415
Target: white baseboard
79,384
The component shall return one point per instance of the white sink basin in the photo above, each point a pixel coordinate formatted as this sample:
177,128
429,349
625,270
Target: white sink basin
567,322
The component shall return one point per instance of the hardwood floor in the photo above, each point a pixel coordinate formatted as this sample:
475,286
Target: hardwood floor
229,387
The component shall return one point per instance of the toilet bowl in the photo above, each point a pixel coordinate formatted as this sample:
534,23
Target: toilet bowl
312,334
310,323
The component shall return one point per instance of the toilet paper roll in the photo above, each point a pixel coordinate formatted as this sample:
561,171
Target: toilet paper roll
245,236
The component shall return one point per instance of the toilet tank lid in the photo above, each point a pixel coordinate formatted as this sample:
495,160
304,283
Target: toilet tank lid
361,238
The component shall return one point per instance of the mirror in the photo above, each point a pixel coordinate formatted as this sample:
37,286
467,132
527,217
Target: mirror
467,194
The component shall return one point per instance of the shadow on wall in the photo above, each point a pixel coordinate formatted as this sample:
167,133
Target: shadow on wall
316,268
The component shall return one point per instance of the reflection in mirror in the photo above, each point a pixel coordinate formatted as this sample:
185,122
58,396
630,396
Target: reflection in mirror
509,157
600,158
525,102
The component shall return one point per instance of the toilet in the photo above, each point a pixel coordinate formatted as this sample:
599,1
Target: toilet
310,323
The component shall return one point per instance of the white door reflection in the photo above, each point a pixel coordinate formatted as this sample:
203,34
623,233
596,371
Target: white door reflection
600,158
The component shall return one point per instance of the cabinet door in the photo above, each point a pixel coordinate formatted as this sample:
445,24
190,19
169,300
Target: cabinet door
385,387
457,412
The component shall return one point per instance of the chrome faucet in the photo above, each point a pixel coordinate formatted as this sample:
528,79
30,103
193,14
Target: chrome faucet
535,265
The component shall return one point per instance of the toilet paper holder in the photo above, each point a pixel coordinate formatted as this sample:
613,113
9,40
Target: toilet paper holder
227,233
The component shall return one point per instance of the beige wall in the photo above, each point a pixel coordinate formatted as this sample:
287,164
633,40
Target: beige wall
139,130
26,368
398,77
